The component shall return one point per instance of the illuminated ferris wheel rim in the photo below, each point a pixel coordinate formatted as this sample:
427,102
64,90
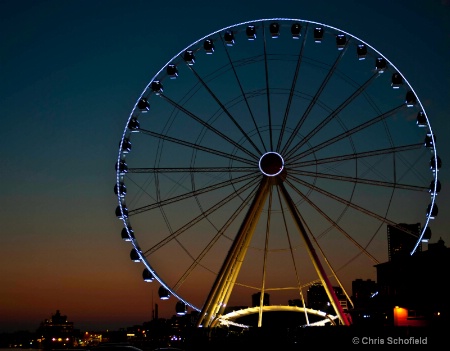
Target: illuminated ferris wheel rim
436,158
135,244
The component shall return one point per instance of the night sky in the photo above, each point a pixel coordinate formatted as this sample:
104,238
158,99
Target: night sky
71,72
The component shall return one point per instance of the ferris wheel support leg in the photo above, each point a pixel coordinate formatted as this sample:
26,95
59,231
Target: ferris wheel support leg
314,258
223,285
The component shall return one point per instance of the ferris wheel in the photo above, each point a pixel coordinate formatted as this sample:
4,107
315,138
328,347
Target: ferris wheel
268,156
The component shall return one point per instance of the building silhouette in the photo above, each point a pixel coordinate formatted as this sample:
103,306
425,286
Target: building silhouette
363,291
256,299
401,243
317,298
412,289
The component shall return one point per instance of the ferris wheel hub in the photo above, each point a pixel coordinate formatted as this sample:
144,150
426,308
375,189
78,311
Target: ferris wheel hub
271,164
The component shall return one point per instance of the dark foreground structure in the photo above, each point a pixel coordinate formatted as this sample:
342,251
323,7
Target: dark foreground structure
318,337
279,339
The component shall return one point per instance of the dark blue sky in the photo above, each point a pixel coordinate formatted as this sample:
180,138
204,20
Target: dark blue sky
70,73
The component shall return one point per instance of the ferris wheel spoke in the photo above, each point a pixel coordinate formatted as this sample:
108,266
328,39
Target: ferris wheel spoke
292,90
411,166
299,286
305,233
312,103
194,193
265,255
359,180
266,71
358,155
336,111
202,216
220,233
192,170
354,206
195,146
332,222
327,261
242,93
224,109
209,126
341,136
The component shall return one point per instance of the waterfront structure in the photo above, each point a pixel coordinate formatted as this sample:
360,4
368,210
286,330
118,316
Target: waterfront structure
57,333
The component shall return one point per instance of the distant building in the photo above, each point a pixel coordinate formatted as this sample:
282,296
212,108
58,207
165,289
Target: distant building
256,299
317,298
363,291
365,311
401,243
295,302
